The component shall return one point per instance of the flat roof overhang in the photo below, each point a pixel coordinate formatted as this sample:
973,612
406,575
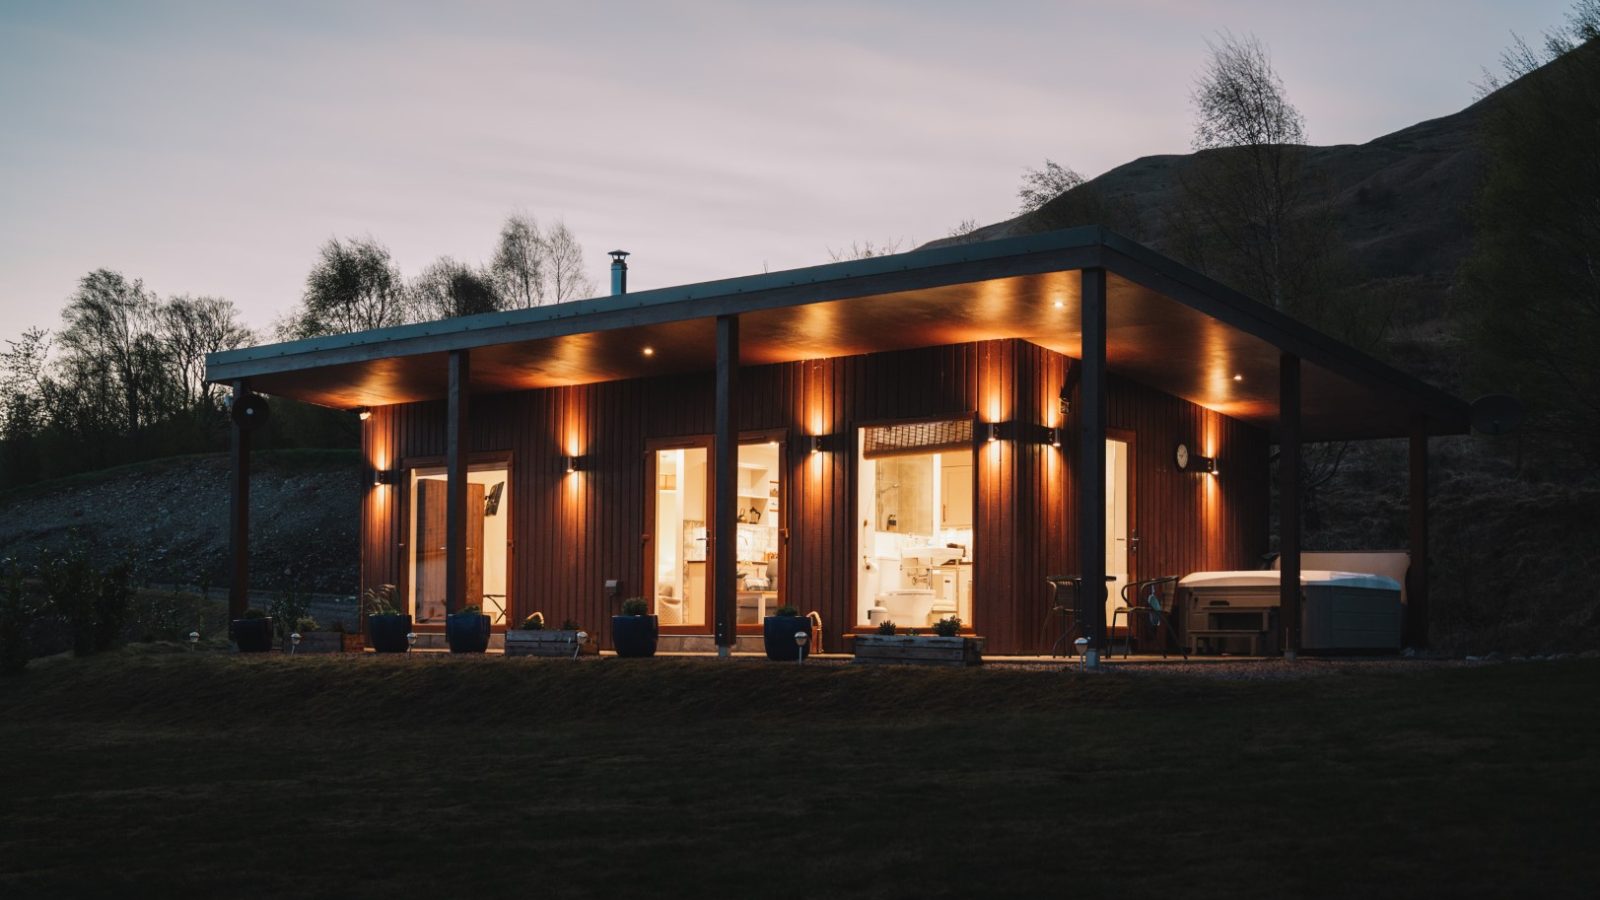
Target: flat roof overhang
1168,327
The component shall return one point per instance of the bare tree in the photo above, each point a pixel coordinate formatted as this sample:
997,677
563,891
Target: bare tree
1249,190
564,258
1040,186
354,286
191,327
865,250
964,228
109,341
448,289
520,262
22,382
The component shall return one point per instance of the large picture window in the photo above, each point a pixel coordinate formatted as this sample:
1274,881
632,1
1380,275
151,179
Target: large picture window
488,515
916,502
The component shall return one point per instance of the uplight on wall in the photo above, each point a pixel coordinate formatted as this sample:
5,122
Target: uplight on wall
1194,462
363,413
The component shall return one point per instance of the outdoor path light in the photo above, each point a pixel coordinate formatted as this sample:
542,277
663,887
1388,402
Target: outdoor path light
578,642
194,639
411,640
800,640
294,642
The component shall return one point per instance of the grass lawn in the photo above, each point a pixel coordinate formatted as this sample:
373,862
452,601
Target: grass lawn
206,774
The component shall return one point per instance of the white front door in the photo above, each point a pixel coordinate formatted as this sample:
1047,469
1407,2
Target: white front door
1117,533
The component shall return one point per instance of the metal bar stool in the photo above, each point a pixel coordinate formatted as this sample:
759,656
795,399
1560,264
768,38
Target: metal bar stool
1071,614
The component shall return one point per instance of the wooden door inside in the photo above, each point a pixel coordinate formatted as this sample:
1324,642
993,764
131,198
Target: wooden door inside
431,547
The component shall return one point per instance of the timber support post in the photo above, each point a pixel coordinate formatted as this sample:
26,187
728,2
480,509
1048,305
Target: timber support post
1289,592
1416,623
239,510
1091,467
725,465
456,451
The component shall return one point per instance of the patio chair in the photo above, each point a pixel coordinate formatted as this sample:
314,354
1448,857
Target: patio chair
1152,609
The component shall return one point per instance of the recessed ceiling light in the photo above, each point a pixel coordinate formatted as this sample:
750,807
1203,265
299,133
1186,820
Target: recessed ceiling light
1061,304
649,351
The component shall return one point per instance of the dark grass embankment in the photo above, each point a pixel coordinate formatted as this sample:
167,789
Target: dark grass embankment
150,774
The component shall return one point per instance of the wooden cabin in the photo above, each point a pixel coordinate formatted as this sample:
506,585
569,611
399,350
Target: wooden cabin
902,437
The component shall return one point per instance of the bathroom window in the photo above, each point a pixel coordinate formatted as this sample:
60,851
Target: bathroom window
915,541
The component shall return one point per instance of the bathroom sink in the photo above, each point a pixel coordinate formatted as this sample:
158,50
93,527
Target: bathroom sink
932,556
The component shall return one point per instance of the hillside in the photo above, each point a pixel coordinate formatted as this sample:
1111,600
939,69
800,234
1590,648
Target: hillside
170,517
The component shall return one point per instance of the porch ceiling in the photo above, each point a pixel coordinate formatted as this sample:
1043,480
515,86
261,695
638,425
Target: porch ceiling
1167,327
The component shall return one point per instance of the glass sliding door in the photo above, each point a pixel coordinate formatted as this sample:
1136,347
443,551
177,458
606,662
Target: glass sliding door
678,563
488,542
916,503
760,533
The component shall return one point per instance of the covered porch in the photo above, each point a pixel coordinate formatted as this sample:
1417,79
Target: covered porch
1101,311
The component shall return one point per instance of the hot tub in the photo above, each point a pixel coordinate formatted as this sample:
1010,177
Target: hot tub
1341,611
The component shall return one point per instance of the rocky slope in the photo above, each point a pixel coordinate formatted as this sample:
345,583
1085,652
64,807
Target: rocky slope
170,518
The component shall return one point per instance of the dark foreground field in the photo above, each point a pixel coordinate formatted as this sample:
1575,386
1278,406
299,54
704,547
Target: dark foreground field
214,775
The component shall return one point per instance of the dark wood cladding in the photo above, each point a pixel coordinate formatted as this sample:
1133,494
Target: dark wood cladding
572,532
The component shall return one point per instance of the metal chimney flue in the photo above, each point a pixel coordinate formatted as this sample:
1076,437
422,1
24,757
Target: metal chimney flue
619,272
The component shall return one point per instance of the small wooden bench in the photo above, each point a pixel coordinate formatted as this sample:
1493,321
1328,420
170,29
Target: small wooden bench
1254,636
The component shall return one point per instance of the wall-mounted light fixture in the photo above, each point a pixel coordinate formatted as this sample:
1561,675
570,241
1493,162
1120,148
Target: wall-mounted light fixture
1053,436
363,412
1194,462
987,432
570,464
384,476
817,443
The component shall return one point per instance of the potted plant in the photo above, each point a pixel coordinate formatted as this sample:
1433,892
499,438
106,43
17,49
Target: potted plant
947,646
253,633
778,631
387,627
532,638
467,631
634,632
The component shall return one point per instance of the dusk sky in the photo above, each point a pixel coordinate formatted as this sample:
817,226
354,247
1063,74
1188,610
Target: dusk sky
210,148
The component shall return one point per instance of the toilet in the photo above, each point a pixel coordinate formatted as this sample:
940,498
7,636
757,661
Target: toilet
908,608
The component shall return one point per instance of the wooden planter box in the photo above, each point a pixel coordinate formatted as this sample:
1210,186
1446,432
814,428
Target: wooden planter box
547,643
918,650
331,642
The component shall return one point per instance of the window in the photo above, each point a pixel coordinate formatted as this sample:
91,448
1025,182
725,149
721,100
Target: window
916,497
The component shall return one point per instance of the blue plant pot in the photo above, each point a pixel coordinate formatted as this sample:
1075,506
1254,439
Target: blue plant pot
467,632
387,634
253,635
634,635
778,632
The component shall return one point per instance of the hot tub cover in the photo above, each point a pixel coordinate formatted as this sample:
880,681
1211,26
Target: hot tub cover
1269,578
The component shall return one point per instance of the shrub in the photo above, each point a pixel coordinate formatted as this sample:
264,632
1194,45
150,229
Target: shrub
70,588
306,624
253,613
570,625
950,626
787,610
471,609
287,609
886,628
17,612
534,622
635,606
